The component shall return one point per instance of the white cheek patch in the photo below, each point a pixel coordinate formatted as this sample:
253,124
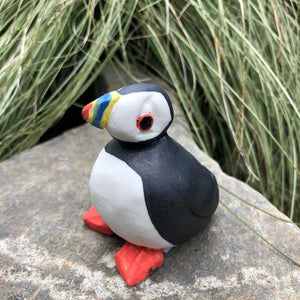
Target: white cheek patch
122,122
160,111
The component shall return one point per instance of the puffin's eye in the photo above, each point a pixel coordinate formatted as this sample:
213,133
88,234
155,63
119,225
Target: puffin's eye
144,122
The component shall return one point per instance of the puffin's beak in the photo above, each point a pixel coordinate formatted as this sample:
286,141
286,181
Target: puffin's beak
98,111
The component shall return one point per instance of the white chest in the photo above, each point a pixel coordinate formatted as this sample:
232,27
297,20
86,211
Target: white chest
117,193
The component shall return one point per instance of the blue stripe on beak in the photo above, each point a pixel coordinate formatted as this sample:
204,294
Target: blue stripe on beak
100,107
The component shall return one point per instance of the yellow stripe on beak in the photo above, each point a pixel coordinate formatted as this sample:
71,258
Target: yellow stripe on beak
91,112
105,118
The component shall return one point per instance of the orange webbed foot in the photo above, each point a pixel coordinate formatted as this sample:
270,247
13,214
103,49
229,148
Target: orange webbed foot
93,220
136,263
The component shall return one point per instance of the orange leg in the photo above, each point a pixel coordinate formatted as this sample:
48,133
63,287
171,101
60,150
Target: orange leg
94,221
136,263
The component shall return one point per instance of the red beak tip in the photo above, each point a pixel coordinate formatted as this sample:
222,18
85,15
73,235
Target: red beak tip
85,111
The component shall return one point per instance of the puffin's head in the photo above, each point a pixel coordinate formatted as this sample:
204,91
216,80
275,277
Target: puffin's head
135,113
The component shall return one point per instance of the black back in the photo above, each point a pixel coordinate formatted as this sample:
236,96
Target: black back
181,195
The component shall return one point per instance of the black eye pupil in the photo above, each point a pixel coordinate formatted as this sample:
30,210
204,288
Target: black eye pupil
146,122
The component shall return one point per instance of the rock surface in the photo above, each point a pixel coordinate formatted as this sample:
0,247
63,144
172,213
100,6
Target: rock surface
46,252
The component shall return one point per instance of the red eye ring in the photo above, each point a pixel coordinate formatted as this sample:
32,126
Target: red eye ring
144,122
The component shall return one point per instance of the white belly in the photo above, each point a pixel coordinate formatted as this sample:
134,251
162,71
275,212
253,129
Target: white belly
118,195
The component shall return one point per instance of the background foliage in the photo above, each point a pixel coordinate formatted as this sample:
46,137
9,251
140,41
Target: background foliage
234,65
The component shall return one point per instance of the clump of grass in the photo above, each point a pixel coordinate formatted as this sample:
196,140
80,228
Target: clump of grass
50,52
234,65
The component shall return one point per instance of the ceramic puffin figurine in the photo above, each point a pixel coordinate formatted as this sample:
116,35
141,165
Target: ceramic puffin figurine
145,187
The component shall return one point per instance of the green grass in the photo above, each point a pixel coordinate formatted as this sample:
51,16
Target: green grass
234,65
50,52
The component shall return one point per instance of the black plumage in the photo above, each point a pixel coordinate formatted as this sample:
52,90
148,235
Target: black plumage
180,194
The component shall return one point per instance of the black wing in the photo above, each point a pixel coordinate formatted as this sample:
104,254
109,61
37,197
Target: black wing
181,194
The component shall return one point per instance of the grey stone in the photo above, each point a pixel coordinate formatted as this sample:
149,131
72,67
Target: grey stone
46,252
